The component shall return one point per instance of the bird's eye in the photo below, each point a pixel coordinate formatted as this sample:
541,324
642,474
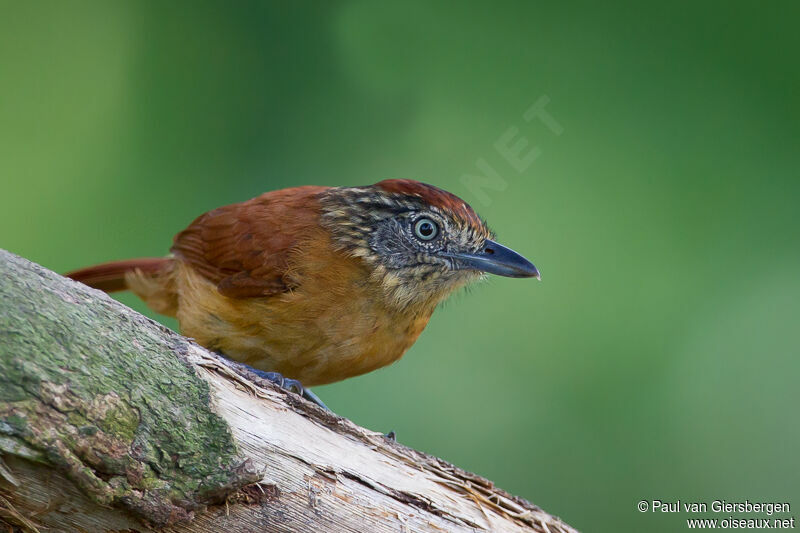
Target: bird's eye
425,229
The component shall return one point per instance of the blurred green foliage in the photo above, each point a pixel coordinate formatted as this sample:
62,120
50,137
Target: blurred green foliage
658,357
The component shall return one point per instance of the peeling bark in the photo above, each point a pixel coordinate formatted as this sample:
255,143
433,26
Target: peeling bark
111,422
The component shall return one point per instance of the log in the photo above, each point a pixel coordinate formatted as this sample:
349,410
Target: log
112,422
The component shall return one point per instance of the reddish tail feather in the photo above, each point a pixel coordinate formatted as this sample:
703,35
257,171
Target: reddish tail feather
110,277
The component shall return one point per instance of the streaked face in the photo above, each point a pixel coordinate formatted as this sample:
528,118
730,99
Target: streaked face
414,245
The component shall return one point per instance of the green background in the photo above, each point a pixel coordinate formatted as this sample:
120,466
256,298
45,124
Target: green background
658,357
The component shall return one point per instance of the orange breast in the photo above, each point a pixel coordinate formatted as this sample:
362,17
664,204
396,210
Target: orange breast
333,324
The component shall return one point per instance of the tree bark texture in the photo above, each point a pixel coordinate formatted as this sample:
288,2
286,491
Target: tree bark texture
111,422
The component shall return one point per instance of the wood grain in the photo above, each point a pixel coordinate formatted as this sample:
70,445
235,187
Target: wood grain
319,472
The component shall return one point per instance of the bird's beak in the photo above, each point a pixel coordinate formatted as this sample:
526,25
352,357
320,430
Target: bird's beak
495,258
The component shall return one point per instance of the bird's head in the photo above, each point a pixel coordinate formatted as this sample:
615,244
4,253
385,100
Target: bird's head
420,242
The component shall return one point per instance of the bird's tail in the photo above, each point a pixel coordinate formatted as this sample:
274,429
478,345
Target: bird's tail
150,278
113,276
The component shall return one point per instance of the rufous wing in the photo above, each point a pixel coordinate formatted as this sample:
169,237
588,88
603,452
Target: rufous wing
244,248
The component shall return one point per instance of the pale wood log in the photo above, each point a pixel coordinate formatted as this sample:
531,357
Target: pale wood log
110,422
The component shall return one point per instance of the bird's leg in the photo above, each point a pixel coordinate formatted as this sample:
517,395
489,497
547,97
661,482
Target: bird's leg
291,385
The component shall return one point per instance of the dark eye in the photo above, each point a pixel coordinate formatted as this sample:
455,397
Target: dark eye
425,229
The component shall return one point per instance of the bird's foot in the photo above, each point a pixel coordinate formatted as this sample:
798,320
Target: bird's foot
291,385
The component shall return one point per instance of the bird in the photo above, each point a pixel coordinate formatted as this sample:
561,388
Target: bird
312,285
